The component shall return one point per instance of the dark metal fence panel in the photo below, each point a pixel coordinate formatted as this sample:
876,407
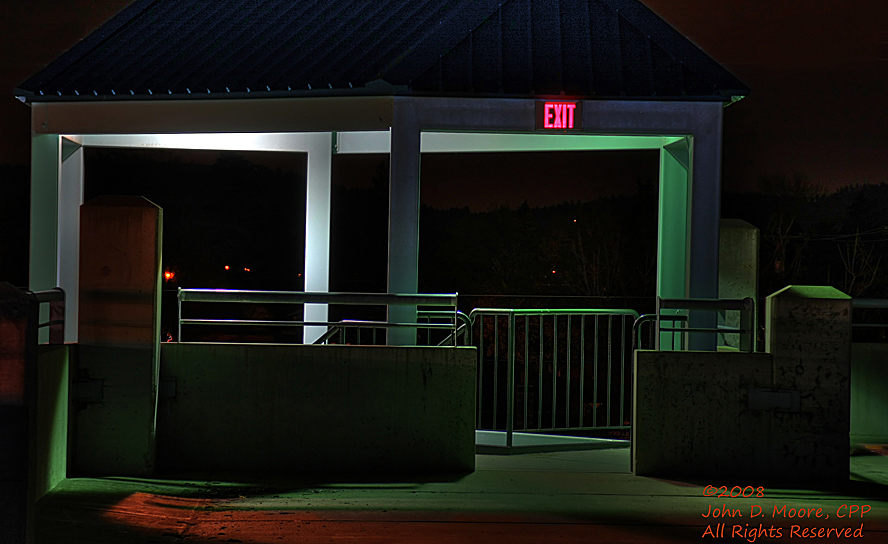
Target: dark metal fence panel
553,370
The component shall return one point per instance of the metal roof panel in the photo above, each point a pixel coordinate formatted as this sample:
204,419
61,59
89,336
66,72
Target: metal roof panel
514,48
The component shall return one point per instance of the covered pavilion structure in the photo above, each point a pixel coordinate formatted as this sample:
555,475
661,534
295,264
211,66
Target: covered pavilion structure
390,76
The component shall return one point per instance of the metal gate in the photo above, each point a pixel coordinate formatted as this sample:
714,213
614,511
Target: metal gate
553,370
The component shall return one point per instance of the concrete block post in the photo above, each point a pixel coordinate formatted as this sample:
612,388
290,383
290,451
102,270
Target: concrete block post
809,339
119,356
738,260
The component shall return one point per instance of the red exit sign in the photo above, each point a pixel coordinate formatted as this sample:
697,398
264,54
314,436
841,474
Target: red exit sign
558,115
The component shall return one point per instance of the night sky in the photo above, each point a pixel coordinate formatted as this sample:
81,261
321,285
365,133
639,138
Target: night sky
818,75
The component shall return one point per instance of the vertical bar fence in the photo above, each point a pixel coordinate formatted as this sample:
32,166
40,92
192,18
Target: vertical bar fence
553,370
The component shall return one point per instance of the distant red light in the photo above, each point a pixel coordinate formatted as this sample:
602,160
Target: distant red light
246,269
227,267
168,275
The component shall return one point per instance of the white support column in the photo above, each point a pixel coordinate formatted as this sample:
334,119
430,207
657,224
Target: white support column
705,216
319,147
45,169
672,236
403,249
70,199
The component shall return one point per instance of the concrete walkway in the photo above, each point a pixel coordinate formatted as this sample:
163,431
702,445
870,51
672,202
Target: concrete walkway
578,497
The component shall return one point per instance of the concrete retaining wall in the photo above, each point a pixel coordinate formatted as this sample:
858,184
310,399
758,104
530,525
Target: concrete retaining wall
50,439
362,410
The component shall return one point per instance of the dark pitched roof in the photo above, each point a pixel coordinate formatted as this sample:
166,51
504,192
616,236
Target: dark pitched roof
506,48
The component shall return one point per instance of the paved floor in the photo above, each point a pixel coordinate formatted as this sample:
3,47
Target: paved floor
577,497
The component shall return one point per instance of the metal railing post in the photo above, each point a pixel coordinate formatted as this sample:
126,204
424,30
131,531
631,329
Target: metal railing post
746,307
510,380
657,327
582,367
481,368
526,366
747,325
179,300
495,368
567,378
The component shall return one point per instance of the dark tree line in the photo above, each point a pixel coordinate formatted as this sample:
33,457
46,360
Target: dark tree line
227,211
604,248
811,237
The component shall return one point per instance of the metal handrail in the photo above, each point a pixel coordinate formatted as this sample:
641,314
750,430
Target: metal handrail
298,297
872,303
572,311
451,339
55,297
746,306
868,304
464,327
649,318
308,297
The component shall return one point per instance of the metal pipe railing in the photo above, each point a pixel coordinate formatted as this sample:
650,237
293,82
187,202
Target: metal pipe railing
296,297
746,306
341,327
300,297
55,297
639,340
869,308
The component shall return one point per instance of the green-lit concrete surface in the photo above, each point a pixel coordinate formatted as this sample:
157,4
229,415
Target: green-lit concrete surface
869,393
586,496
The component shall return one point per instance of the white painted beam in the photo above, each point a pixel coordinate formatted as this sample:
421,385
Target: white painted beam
459,142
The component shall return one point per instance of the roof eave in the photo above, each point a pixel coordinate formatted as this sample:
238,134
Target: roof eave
29,97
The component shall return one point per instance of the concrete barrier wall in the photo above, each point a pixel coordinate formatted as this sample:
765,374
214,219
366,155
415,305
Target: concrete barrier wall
781,415
50,438
692,415
362,410
869,393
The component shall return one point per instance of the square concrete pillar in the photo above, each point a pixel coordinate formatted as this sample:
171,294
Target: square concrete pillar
738,263
118,363
809,339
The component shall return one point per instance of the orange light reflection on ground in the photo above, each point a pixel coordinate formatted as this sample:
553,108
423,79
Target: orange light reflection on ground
200,518
222,520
